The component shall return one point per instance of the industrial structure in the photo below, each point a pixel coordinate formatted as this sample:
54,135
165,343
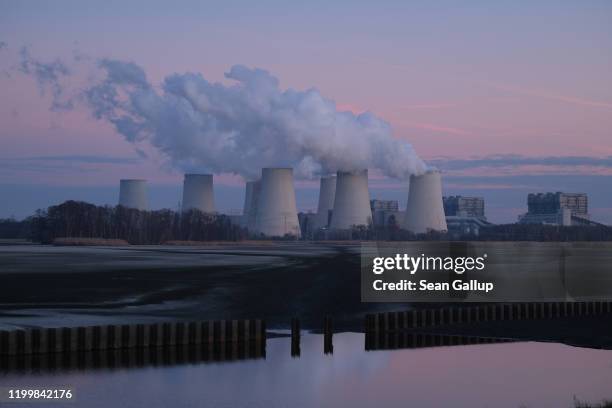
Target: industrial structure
465,216
459,226
251,196
276,209
386,213
133,194
460,206
198,193
327,193
307,222
352,200
425,212
564,209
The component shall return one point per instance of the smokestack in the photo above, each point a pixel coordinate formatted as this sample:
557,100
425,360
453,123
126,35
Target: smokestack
276,209
198,193
352,200
133,194
425,211
251,196
327,192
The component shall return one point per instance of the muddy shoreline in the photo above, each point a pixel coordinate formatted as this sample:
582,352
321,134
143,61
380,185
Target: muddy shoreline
54,286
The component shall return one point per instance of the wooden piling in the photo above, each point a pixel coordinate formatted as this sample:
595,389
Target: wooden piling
295,336
328,332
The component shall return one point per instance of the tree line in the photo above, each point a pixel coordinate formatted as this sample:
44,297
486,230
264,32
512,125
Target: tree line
77,219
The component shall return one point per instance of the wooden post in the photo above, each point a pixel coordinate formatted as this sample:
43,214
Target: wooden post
328,346
295,336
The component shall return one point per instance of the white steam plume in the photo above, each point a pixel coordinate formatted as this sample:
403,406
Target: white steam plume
245,126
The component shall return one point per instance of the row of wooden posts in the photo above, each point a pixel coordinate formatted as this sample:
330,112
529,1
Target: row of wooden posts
111,337
101,347
417,318
117,337
136,357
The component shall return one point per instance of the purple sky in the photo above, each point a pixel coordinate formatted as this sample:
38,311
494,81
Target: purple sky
506,98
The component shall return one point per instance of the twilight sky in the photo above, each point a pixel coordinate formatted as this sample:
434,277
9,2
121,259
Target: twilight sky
506,98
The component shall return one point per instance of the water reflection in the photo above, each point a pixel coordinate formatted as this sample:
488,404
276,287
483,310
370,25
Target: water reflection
399,340
134,358
500,375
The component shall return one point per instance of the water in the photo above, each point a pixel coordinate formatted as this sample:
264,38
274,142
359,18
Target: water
486,375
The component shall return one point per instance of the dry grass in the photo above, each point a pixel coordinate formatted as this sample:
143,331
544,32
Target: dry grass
77,241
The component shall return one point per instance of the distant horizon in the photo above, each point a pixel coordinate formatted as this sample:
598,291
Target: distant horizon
499,208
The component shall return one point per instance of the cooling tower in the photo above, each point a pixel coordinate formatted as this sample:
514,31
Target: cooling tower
276,209
198,193
351,201
425,211
251,196
327,192
133,194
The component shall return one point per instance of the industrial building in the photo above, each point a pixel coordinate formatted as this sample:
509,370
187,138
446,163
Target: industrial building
460,206
564,209
424,211
133,194
549,203
465,216
198,193
386,213
461,227
308,224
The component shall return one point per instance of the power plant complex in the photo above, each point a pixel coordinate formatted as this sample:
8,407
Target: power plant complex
270,208
344,204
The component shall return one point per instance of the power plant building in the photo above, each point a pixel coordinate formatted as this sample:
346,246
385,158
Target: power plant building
276,209
133,194
386,213
565,209
198,193
460,206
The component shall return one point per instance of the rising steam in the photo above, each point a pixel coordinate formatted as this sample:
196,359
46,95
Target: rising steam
242,127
